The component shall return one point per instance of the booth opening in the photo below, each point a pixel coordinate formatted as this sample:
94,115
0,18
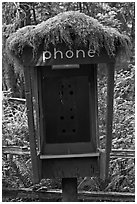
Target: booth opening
66,99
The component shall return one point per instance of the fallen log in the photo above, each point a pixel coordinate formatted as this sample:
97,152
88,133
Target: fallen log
56,195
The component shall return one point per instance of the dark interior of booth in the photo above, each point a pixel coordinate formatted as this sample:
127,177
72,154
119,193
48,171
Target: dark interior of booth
67,97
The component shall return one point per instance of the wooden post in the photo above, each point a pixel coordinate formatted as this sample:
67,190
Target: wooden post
32,139
69,189
110,96
96,106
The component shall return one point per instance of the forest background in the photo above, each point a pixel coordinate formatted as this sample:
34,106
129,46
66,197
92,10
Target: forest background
120,15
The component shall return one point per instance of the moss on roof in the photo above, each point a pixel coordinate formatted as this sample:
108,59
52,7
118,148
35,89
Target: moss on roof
73,28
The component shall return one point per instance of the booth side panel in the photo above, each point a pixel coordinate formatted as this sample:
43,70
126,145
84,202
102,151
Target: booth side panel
30,113
71,167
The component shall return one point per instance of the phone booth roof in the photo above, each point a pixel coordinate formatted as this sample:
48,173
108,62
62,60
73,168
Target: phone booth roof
72,28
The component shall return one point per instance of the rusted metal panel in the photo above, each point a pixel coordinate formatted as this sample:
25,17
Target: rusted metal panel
70,167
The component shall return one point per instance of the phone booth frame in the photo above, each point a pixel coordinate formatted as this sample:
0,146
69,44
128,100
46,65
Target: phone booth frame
82,159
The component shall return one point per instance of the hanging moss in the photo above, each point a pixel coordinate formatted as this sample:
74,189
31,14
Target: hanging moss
72,28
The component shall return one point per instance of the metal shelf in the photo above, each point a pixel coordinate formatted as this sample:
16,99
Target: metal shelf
69,156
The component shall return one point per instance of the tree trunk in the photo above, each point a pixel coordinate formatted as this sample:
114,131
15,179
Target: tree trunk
11,81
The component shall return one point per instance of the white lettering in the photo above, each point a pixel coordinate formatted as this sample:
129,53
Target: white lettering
46,55
69,54
91,53
77,52
55,53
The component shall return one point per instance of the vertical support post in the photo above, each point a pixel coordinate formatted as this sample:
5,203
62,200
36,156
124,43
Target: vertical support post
69,189
96,106
32,139
35,94
110,96
93,107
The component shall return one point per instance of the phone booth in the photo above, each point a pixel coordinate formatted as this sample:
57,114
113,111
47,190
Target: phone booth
62,104
68,106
